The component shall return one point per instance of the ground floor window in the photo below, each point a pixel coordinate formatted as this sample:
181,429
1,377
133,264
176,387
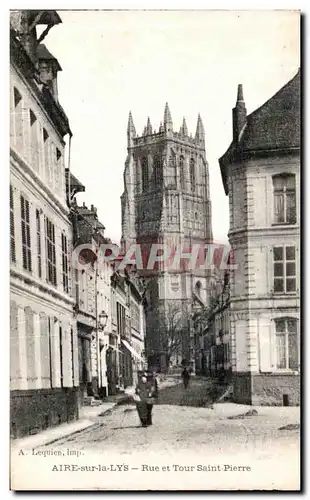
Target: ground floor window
287,343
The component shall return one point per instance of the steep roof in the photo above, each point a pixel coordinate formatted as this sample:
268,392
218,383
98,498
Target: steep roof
276,124
273,126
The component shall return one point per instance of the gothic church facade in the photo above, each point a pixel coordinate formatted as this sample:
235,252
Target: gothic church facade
166,201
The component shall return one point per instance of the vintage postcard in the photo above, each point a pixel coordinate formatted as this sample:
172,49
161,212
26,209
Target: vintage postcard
155,250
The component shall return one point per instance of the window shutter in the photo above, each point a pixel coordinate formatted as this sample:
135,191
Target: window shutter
265,346
12,227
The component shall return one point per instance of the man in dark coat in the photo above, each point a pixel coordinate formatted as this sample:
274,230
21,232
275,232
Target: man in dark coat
146,392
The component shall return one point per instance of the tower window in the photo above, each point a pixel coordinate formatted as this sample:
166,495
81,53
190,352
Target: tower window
145,174
192,174
182,172
157,169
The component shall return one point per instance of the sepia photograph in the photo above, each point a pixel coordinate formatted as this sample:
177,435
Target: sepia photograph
154,258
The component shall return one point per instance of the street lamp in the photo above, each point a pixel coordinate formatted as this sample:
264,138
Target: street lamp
103,318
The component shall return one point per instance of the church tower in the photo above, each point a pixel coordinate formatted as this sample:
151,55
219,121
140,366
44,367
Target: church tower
166,201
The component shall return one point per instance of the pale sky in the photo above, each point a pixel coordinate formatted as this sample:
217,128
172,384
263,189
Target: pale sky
116,61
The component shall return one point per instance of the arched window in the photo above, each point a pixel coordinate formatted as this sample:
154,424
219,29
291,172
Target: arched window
182,172
284,195
172,171
157,171
192,174
145,174
286,343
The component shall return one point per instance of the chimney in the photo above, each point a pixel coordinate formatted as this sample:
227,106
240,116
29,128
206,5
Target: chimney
239,115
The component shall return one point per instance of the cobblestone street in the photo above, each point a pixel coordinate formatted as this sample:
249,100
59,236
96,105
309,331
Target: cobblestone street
178,425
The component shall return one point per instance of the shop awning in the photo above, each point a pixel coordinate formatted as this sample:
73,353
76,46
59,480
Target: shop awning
133,352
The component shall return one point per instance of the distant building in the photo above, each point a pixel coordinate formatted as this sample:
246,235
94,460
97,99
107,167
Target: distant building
166,201
44,355
126,347
261,176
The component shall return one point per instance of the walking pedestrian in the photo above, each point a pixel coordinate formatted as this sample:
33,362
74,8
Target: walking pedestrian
185,377
147,392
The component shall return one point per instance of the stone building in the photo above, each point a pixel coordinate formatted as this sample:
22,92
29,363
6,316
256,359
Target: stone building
166,201
126,346
261,176
92,291
43,344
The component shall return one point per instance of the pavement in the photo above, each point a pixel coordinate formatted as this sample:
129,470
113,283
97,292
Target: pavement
88,418
122,455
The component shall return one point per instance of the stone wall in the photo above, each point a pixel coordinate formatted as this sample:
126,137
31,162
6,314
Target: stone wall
266,389
35,410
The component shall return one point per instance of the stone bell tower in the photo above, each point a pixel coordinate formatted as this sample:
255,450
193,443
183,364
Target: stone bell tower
166,200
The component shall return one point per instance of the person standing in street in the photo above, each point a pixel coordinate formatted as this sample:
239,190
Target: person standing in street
146,391
185,377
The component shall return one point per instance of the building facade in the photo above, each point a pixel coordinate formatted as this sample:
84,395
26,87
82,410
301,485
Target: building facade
261,176
44,354
126,348
92,291
166,201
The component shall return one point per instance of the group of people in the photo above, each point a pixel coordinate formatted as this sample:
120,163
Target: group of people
146,393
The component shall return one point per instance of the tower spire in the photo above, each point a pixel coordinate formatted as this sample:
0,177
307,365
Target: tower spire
149,129
131,131
200,132
184,127
168,125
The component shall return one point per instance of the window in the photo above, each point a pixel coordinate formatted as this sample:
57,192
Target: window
12,227
192,174
182,172
50,252
284,193
145,174
157,169
64,252
26,240
172,172
39,247
286,344
284,269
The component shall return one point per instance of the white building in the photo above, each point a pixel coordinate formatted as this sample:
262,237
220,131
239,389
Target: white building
44,361
260,172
